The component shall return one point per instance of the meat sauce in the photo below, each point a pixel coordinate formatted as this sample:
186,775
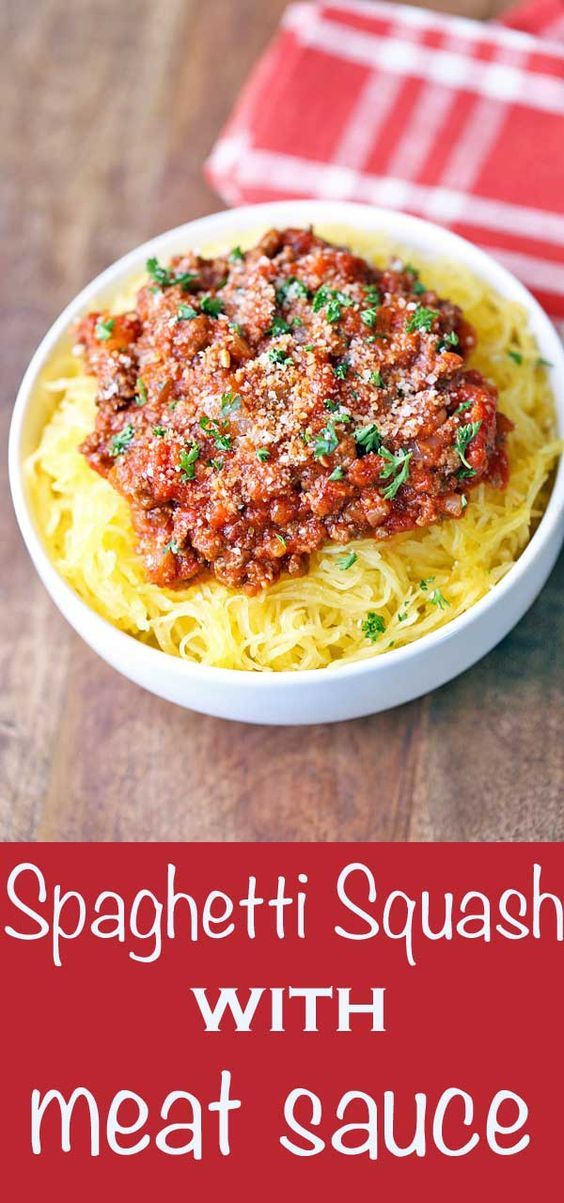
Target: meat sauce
256,406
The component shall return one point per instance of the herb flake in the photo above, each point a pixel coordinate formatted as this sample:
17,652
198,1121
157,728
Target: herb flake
437,599
188,462
464,436
279,326
397,467
421,319
373,626
367,439
345,562
290,290
230,403
185,313
220,437
332,301
211,305
104,329
122,440
326,442
278,355
165,277
141,394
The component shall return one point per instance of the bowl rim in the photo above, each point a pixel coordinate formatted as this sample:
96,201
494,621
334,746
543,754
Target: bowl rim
229,222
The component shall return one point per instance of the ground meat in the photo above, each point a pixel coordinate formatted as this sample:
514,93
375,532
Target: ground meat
256,406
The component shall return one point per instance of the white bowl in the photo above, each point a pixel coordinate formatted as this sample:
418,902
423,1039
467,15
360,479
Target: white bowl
299,697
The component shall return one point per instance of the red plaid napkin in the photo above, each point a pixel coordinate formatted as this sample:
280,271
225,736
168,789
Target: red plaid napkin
450,119
542,17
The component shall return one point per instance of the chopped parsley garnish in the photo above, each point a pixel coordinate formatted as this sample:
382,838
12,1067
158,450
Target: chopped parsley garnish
121,441
421,319
340,370
402,617
104,329
161,275
369,316
186,280
185,313
347,561
340,414
326,442
464,436
543,363
277,355
237,328
334,307
217,464
516,356
212,306
463,500
465,405
164,277
449,340
417,287
397,467
263,454
332,301
230,402
437,599
222,442
236,254
337,473
375,378
279,326
290,290
188,462
310,347
159,431
141,395
281,539
219,436
368,438
172,546
373,626
372,294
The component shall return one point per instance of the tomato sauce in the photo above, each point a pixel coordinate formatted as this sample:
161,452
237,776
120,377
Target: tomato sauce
258,405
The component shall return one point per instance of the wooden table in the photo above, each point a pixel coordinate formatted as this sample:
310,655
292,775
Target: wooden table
112,109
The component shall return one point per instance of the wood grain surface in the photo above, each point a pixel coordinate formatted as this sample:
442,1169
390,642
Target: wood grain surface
109,111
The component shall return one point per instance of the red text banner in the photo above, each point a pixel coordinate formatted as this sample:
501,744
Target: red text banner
277,1021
